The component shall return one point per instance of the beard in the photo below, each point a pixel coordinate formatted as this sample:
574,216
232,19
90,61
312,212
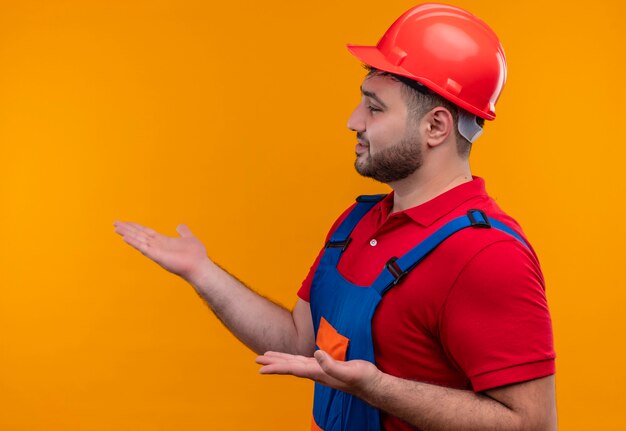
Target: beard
392,163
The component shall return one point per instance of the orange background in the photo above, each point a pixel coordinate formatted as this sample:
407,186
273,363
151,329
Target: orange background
231,117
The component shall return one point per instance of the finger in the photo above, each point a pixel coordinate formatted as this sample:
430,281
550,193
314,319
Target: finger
120,228
278,357
308,369
282,355
144,229
262,360
294,368
287,364
338,369
265,360
127,228
126,231
324,359
139,243
184,231
129,232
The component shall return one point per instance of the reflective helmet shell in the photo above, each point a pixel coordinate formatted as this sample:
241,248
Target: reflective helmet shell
448,50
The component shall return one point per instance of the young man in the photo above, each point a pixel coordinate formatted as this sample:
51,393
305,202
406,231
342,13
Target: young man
426,309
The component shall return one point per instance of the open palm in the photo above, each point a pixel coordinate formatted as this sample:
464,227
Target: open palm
354,376
180,255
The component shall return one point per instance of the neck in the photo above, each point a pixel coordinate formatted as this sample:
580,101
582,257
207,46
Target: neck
426,184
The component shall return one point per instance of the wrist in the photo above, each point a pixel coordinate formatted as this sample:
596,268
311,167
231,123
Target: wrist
371,385
199,273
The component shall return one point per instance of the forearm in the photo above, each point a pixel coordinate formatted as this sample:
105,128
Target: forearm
261,324
258,322
528,406
433,408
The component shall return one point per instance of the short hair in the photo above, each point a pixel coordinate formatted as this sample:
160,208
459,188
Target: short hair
421,99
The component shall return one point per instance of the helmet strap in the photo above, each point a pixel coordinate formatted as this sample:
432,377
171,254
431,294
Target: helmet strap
468,126
415,85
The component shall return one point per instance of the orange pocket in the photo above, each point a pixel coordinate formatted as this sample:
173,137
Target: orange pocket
331,341
314,426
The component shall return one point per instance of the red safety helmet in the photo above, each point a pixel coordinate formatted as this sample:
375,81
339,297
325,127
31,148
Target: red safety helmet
448,50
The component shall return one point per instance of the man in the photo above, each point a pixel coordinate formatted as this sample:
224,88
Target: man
426,309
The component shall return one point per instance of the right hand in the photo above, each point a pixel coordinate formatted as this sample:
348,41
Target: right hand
183,256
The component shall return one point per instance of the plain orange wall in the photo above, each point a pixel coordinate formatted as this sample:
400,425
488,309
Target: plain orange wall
231,117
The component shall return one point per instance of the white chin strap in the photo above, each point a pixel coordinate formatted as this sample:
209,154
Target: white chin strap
468,127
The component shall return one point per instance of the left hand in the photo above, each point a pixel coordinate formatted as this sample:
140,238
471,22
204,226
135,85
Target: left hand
184,255
356,377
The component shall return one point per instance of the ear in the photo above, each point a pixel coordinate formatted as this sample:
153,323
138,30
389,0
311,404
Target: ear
439,125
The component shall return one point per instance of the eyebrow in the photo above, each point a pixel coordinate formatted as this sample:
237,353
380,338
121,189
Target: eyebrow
373,95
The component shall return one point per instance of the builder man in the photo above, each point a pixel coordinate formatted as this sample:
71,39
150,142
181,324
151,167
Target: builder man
426,309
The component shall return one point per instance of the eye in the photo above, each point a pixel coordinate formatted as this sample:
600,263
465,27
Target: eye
373,108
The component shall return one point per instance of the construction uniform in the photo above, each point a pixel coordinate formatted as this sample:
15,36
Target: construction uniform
436,293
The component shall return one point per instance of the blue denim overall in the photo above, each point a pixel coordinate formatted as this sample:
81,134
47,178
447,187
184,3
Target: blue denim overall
342,312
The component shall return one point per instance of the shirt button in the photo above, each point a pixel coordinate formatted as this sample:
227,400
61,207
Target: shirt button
373,243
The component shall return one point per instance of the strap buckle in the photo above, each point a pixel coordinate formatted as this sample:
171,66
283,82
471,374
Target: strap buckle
478,218
338,244
395,270
370,198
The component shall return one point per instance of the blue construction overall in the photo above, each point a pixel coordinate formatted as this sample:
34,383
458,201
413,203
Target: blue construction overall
342,312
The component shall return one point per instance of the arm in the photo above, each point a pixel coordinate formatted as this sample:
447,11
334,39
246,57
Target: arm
523,406
495,320
258,322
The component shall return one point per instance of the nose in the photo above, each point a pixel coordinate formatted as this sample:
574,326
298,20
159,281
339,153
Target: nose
356,122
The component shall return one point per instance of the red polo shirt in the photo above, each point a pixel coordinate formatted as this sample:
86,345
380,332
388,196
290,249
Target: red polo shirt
472,315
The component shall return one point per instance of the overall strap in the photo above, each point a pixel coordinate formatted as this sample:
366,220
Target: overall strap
397,268
341,237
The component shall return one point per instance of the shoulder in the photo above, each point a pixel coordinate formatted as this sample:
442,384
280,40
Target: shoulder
499,282
367,201
498,263
489,249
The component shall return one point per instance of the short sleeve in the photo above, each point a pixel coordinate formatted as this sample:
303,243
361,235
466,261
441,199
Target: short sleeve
495,324
305,290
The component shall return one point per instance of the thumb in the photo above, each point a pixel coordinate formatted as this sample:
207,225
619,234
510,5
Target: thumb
329,365
184,231
355,375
